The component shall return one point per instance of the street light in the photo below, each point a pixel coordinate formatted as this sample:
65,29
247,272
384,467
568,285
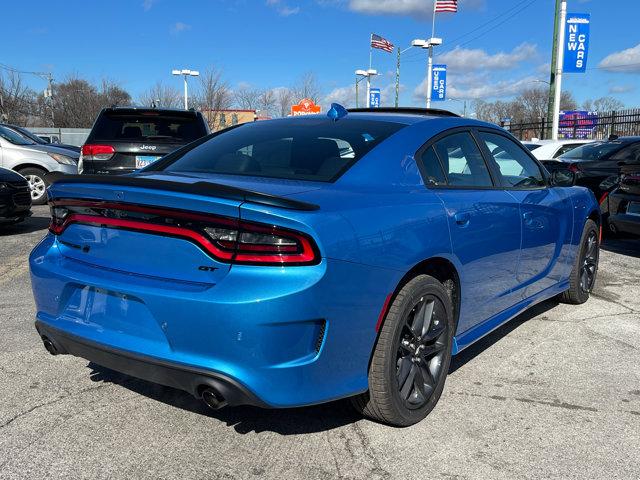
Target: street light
429,44
186,73
361,75
464,104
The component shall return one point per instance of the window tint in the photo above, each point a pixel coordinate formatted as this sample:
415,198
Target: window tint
148,126
566,148
517,169
462,161
432,168
630,154
593,151
317,149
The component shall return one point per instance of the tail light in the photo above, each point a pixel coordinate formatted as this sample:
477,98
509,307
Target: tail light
225,239
574,168
97,152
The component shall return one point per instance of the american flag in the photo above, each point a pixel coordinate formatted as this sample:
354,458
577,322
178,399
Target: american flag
382,43
446,6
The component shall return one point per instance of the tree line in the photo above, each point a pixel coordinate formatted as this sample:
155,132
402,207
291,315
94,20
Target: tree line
76,102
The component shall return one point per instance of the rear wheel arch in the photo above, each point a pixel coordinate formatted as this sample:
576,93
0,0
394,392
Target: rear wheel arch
442,270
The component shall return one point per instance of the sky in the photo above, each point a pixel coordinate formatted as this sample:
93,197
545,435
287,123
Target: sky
493,48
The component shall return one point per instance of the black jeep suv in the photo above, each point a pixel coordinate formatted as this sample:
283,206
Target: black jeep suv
124,139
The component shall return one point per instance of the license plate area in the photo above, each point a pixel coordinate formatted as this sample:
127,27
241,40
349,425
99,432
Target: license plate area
144,160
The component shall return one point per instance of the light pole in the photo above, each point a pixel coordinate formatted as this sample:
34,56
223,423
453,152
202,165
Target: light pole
415,43
464,104
361,75
430,43
186,73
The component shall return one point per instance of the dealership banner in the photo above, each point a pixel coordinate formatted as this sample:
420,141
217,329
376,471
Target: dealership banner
577,124
374,98
438,83
576,42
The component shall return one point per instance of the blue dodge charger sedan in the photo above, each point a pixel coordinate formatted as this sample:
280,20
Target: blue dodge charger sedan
297,261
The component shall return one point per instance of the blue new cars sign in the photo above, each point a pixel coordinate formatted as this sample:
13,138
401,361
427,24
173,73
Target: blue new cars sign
576,42
374,98
439,83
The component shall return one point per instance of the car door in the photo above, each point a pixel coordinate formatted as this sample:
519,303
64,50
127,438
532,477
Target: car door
484,225
546,213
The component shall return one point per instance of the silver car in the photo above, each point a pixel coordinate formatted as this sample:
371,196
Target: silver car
34,161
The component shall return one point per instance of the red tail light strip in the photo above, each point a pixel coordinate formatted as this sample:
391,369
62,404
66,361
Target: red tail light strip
303,253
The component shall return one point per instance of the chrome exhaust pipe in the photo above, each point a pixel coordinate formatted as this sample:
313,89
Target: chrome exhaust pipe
213,399
48,344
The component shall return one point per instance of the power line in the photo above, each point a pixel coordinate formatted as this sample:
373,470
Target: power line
524,5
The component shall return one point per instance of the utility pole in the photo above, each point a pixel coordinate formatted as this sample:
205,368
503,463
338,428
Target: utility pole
50,80
555,79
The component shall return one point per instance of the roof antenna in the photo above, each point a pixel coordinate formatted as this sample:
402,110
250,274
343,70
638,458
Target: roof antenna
336,112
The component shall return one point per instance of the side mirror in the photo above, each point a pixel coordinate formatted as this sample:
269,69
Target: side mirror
563,178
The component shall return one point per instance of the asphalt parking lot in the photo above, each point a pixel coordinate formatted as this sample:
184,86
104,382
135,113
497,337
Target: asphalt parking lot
553,394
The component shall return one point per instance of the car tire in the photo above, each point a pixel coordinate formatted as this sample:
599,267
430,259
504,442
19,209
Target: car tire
585,267
413,349
38,184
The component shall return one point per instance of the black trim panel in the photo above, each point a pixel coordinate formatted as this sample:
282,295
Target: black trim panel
207,189
188,379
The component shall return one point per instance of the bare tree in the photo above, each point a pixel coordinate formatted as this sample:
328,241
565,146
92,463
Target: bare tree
267,101
603,104
247,97
114,94
530,105
284,101
17,100
213,94
161,95
307,87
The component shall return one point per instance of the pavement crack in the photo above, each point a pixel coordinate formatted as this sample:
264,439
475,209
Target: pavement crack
50,402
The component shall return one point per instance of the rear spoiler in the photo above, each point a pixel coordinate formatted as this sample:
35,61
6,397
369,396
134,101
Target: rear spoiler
207,189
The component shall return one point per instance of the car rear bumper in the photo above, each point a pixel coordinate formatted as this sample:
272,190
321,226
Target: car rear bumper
190,379
625,223
270,336
15,205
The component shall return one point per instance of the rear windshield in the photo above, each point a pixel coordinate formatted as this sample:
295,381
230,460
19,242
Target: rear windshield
592,151
148,127
316,149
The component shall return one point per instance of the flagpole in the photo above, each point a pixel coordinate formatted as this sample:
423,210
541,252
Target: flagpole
369,74
430,61
370,49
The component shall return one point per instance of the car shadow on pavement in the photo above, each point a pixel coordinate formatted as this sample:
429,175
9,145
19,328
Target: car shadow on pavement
291,421
483,344
622,245
30,225
244,419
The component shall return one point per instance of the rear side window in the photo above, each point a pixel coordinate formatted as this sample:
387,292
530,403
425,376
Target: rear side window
566,148
154,127
462,161
517,168
316,149
432,168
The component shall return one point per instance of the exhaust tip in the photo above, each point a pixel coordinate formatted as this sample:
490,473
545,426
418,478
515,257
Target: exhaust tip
48,344
213,399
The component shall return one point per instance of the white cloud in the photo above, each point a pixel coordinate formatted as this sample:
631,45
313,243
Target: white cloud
622,88
147,4
416,8
179,27
283,8
465,60
479,86
627,61
346,96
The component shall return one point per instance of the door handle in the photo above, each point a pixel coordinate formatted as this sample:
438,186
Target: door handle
462,219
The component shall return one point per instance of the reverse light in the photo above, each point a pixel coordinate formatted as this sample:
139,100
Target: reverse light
97,152
225,239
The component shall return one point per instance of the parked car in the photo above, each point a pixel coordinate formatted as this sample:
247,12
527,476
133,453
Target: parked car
34,161
296,261
531,146
620,204
40,139
551,149
124,139
596,161
15,197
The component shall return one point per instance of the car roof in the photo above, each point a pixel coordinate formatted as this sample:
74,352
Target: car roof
137,109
